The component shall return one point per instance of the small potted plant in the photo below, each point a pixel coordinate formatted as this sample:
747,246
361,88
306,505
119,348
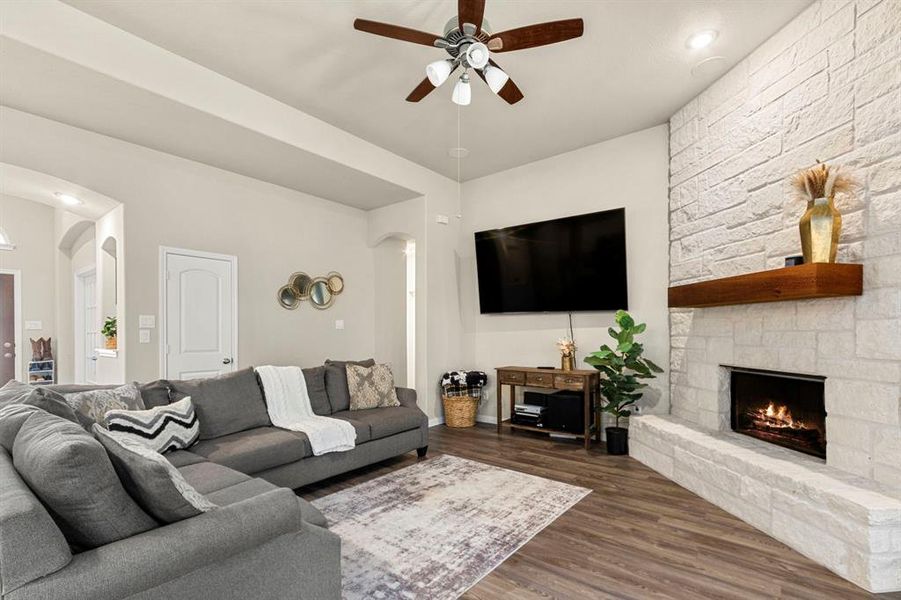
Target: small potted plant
622,368
109,332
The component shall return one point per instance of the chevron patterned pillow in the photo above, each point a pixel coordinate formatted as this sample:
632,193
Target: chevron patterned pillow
162,428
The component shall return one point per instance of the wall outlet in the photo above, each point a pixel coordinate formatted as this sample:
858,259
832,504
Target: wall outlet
147,321
33,325
144,336
339,324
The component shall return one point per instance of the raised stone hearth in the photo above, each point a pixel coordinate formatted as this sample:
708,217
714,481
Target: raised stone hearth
850,524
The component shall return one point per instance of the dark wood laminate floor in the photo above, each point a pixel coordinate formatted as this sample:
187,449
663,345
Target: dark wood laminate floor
638,535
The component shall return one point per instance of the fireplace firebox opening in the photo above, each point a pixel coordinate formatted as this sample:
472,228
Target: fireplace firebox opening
785,409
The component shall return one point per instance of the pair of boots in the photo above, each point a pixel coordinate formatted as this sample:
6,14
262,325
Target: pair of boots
40,349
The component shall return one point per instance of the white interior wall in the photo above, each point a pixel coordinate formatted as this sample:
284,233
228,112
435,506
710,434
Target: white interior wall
176,202
390,306
630,172
30,225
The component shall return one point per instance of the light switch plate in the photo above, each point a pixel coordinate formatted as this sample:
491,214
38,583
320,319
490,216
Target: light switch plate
144,336
33,325
147,321
442,219
339,324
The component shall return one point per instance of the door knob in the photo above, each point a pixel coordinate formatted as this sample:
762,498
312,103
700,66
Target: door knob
226,361
8,355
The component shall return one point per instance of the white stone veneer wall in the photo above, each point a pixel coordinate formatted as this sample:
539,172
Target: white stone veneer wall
828,87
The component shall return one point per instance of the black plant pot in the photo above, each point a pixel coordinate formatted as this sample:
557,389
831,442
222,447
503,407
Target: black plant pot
617,440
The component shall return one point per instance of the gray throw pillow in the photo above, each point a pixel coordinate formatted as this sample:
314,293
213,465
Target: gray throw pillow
16,392
161,428
371,387
91,406
11,419
315,379
71,474
226,404
336,382
155,393
151,479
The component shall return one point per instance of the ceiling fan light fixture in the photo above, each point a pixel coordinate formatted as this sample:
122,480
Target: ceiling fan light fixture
495,77
462,91
438,71
477,55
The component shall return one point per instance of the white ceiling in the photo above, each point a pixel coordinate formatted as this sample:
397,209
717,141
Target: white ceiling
40,187
44,84
631,70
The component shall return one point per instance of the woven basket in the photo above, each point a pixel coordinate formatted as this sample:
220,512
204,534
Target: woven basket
460,411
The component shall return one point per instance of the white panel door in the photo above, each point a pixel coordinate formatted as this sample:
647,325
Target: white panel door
89,336
199,315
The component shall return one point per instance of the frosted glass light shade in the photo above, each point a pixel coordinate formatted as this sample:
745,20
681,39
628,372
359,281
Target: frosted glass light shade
495,77
462,92
438,71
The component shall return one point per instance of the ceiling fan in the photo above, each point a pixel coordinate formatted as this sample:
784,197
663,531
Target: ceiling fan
469,40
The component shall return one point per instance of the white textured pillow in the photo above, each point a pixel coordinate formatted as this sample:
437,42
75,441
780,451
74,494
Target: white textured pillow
91,405
162,428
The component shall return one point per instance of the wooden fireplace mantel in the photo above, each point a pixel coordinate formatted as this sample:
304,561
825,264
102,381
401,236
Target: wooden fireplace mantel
814,280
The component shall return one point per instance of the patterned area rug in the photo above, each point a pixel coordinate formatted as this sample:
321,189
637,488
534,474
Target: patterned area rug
434,529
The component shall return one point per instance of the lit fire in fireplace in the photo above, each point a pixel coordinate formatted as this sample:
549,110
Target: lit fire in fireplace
775,417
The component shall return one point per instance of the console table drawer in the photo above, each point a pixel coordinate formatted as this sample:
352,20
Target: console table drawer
569,382
512,377
540,379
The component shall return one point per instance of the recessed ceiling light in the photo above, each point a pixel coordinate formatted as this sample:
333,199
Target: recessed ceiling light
68,199
701,39
458,152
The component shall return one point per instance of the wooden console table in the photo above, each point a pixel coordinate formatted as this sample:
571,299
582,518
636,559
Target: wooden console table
585,381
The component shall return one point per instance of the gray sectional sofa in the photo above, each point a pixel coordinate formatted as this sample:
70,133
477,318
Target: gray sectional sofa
263,541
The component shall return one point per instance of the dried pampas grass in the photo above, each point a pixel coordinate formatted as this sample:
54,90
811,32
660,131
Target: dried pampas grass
822,181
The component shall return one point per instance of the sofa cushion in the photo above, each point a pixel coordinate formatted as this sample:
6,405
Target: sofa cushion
336,382
371,387
315,380
31,545
255,450
91,406
161,428
155,393
388,421
207,477
182,458
71,473
226,404
362,429
151,480
254,487
16,392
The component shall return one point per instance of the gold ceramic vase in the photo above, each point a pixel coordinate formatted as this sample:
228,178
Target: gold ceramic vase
567,362
820,228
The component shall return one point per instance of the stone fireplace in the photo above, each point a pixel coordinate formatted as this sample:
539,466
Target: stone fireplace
821,88
785,409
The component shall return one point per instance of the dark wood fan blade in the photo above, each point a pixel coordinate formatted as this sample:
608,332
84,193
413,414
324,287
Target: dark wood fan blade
510,92
531,36
396,32
424,88
471,11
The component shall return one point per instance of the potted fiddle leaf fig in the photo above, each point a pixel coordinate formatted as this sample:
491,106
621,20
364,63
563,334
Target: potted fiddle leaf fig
621,368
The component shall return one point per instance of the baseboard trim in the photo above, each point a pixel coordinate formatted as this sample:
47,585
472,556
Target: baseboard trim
436,421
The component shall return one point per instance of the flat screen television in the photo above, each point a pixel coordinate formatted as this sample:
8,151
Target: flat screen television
564,265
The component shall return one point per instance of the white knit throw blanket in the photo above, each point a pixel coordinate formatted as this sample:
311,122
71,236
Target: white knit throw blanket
289,407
